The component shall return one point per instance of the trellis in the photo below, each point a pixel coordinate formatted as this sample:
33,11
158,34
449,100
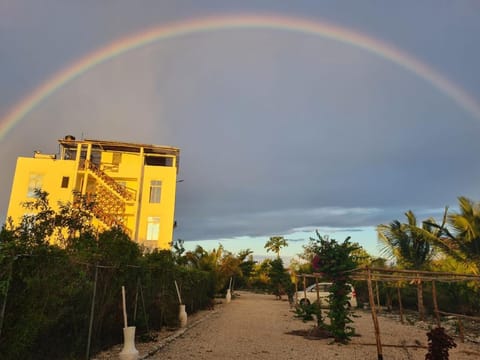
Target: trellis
371,274
139,299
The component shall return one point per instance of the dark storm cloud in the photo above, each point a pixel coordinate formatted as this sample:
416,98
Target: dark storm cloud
278,131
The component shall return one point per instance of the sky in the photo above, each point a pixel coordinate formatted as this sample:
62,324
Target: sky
282,130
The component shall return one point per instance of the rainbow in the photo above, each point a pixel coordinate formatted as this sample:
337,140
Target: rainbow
224,22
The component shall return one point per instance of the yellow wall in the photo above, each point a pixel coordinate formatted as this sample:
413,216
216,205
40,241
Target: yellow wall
129,170
165,209
52,171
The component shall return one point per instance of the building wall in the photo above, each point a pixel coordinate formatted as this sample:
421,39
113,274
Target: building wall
128,169
164,210
51,172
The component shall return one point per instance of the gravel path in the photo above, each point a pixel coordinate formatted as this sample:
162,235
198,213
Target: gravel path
255,326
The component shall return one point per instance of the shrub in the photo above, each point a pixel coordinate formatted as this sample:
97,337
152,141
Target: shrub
335,261
48,290
439,343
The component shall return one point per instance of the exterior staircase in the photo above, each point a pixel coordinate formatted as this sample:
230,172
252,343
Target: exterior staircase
116,188
110,198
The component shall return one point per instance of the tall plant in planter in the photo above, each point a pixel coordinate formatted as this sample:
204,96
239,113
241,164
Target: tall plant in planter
335,261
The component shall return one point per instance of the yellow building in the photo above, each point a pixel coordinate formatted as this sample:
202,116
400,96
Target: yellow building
133,185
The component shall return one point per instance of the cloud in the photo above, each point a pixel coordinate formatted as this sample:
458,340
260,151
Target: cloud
284,222
278,132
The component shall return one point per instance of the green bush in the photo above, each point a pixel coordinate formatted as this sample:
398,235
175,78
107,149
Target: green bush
46,308
336,261
49,294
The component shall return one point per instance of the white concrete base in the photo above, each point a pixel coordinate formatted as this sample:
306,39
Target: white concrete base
129,352
182,316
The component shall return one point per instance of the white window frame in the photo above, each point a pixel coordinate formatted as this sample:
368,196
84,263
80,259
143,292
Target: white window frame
153,228
155,196
35,181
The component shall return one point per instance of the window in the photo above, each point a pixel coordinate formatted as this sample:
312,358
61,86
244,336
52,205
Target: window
153,228
155,191
34,182
96,157
116,158
65,180
159,161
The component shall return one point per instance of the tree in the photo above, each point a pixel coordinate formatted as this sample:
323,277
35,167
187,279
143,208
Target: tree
259,277
462,243
178,251
44,225
247,265
408,245
46,289
222,264
275,243
244,254
280,282
336,261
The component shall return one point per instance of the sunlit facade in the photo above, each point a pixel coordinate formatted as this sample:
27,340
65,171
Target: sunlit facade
133,185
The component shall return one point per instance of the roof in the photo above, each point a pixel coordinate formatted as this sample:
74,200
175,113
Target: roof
122,146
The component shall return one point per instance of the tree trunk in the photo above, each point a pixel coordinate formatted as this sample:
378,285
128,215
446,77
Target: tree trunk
389,300
421,308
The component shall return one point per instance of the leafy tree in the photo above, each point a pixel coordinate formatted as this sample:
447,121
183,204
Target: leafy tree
229,268
275,244
244,254
280,282
178,250
336,261
409,246
462,243
405,244
260,277
221,263
246,266
47,289
38,226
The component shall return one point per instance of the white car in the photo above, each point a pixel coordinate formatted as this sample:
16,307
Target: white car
323,294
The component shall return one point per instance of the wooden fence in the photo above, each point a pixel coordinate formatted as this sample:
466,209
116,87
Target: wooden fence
372,274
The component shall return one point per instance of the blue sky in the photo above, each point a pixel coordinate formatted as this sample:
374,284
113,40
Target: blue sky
281,133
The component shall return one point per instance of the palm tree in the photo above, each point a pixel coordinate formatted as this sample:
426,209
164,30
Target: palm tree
462,243
222,264
244,254
275,244
407,244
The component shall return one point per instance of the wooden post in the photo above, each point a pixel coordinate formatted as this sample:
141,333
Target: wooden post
296,289
143,305
460,330
400,307
305,286
421,306
136,302
124,307
378,296
178,292
92,312
435,304
374,315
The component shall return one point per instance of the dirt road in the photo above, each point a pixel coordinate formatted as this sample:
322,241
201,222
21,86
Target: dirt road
255,326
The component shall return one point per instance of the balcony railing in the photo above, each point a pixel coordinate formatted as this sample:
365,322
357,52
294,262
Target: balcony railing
111,183
107,208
